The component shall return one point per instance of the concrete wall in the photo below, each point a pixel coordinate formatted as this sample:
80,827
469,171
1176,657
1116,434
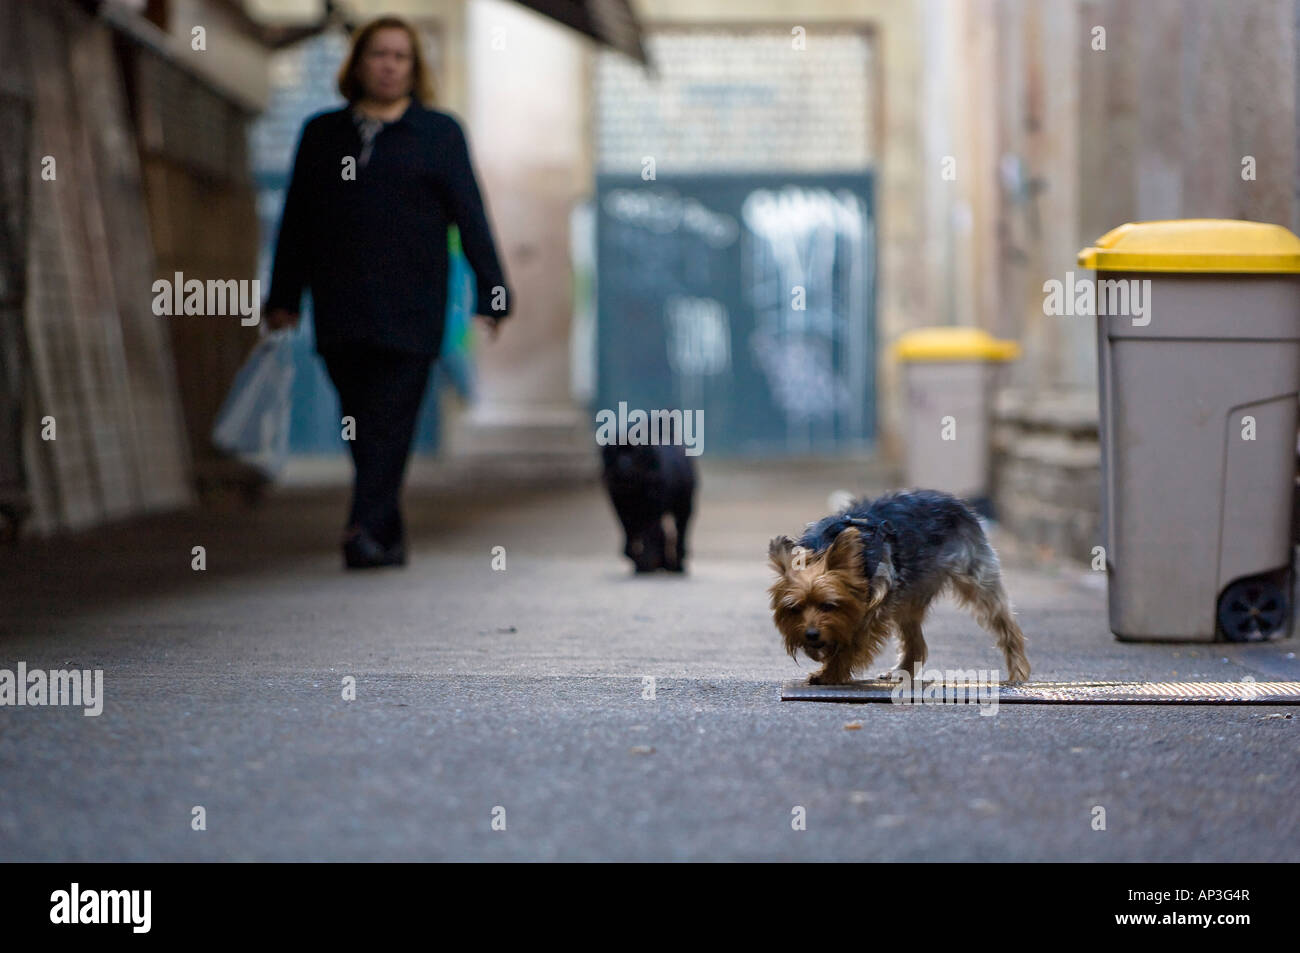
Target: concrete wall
231,61
528,120
1154,126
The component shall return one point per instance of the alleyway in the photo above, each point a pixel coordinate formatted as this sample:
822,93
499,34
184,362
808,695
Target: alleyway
523,689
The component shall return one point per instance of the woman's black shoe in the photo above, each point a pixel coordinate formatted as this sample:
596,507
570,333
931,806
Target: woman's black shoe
363,551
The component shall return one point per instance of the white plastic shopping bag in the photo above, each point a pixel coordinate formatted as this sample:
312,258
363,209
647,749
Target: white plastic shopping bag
253,423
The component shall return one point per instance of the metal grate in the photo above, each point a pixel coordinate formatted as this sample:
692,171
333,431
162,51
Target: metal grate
1064,693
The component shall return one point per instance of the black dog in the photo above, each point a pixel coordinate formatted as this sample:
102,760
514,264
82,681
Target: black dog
645,484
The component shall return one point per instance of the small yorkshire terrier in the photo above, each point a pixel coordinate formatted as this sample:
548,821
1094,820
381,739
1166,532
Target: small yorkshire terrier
873,569
647,483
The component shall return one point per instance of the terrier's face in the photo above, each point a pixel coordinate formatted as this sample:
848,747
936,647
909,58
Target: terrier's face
819,603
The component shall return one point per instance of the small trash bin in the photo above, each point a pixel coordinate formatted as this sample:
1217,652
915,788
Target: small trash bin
1198,411
949,375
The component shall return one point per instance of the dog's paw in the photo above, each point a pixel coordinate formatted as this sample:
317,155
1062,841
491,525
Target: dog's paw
821,678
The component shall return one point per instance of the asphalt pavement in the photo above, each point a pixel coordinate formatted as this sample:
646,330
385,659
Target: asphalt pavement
506,714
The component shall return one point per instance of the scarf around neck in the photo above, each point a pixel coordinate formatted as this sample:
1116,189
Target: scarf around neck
368,127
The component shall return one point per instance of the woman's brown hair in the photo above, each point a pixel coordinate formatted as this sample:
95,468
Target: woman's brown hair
421,78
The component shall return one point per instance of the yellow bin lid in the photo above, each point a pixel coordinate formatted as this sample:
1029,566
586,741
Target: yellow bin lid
954,344
1196,245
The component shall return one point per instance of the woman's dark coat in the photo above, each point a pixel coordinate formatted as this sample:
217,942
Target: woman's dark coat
371,242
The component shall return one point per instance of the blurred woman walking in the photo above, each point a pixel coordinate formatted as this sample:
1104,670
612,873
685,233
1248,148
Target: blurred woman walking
375,186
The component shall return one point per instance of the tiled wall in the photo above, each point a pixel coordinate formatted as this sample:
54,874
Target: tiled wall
739,100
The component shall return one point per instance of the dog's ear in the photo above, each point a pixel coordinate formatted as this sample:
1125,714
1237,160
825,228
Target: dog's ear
845,554
780,552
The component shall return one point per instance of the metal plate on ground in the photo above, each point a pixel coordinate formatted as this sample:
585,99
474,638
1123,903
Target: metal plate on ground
1060,693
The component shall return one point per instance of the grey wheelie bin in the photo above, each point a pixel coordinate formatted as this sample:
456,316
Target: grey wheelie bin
949,377
1198,330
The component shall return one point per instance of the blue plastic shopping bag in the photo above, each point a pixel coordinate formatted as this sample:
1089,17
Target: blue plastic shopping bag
253,423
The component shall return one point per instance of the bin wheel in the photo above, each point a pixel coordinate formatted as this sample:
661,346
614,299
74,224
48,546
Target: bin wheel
1252,610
